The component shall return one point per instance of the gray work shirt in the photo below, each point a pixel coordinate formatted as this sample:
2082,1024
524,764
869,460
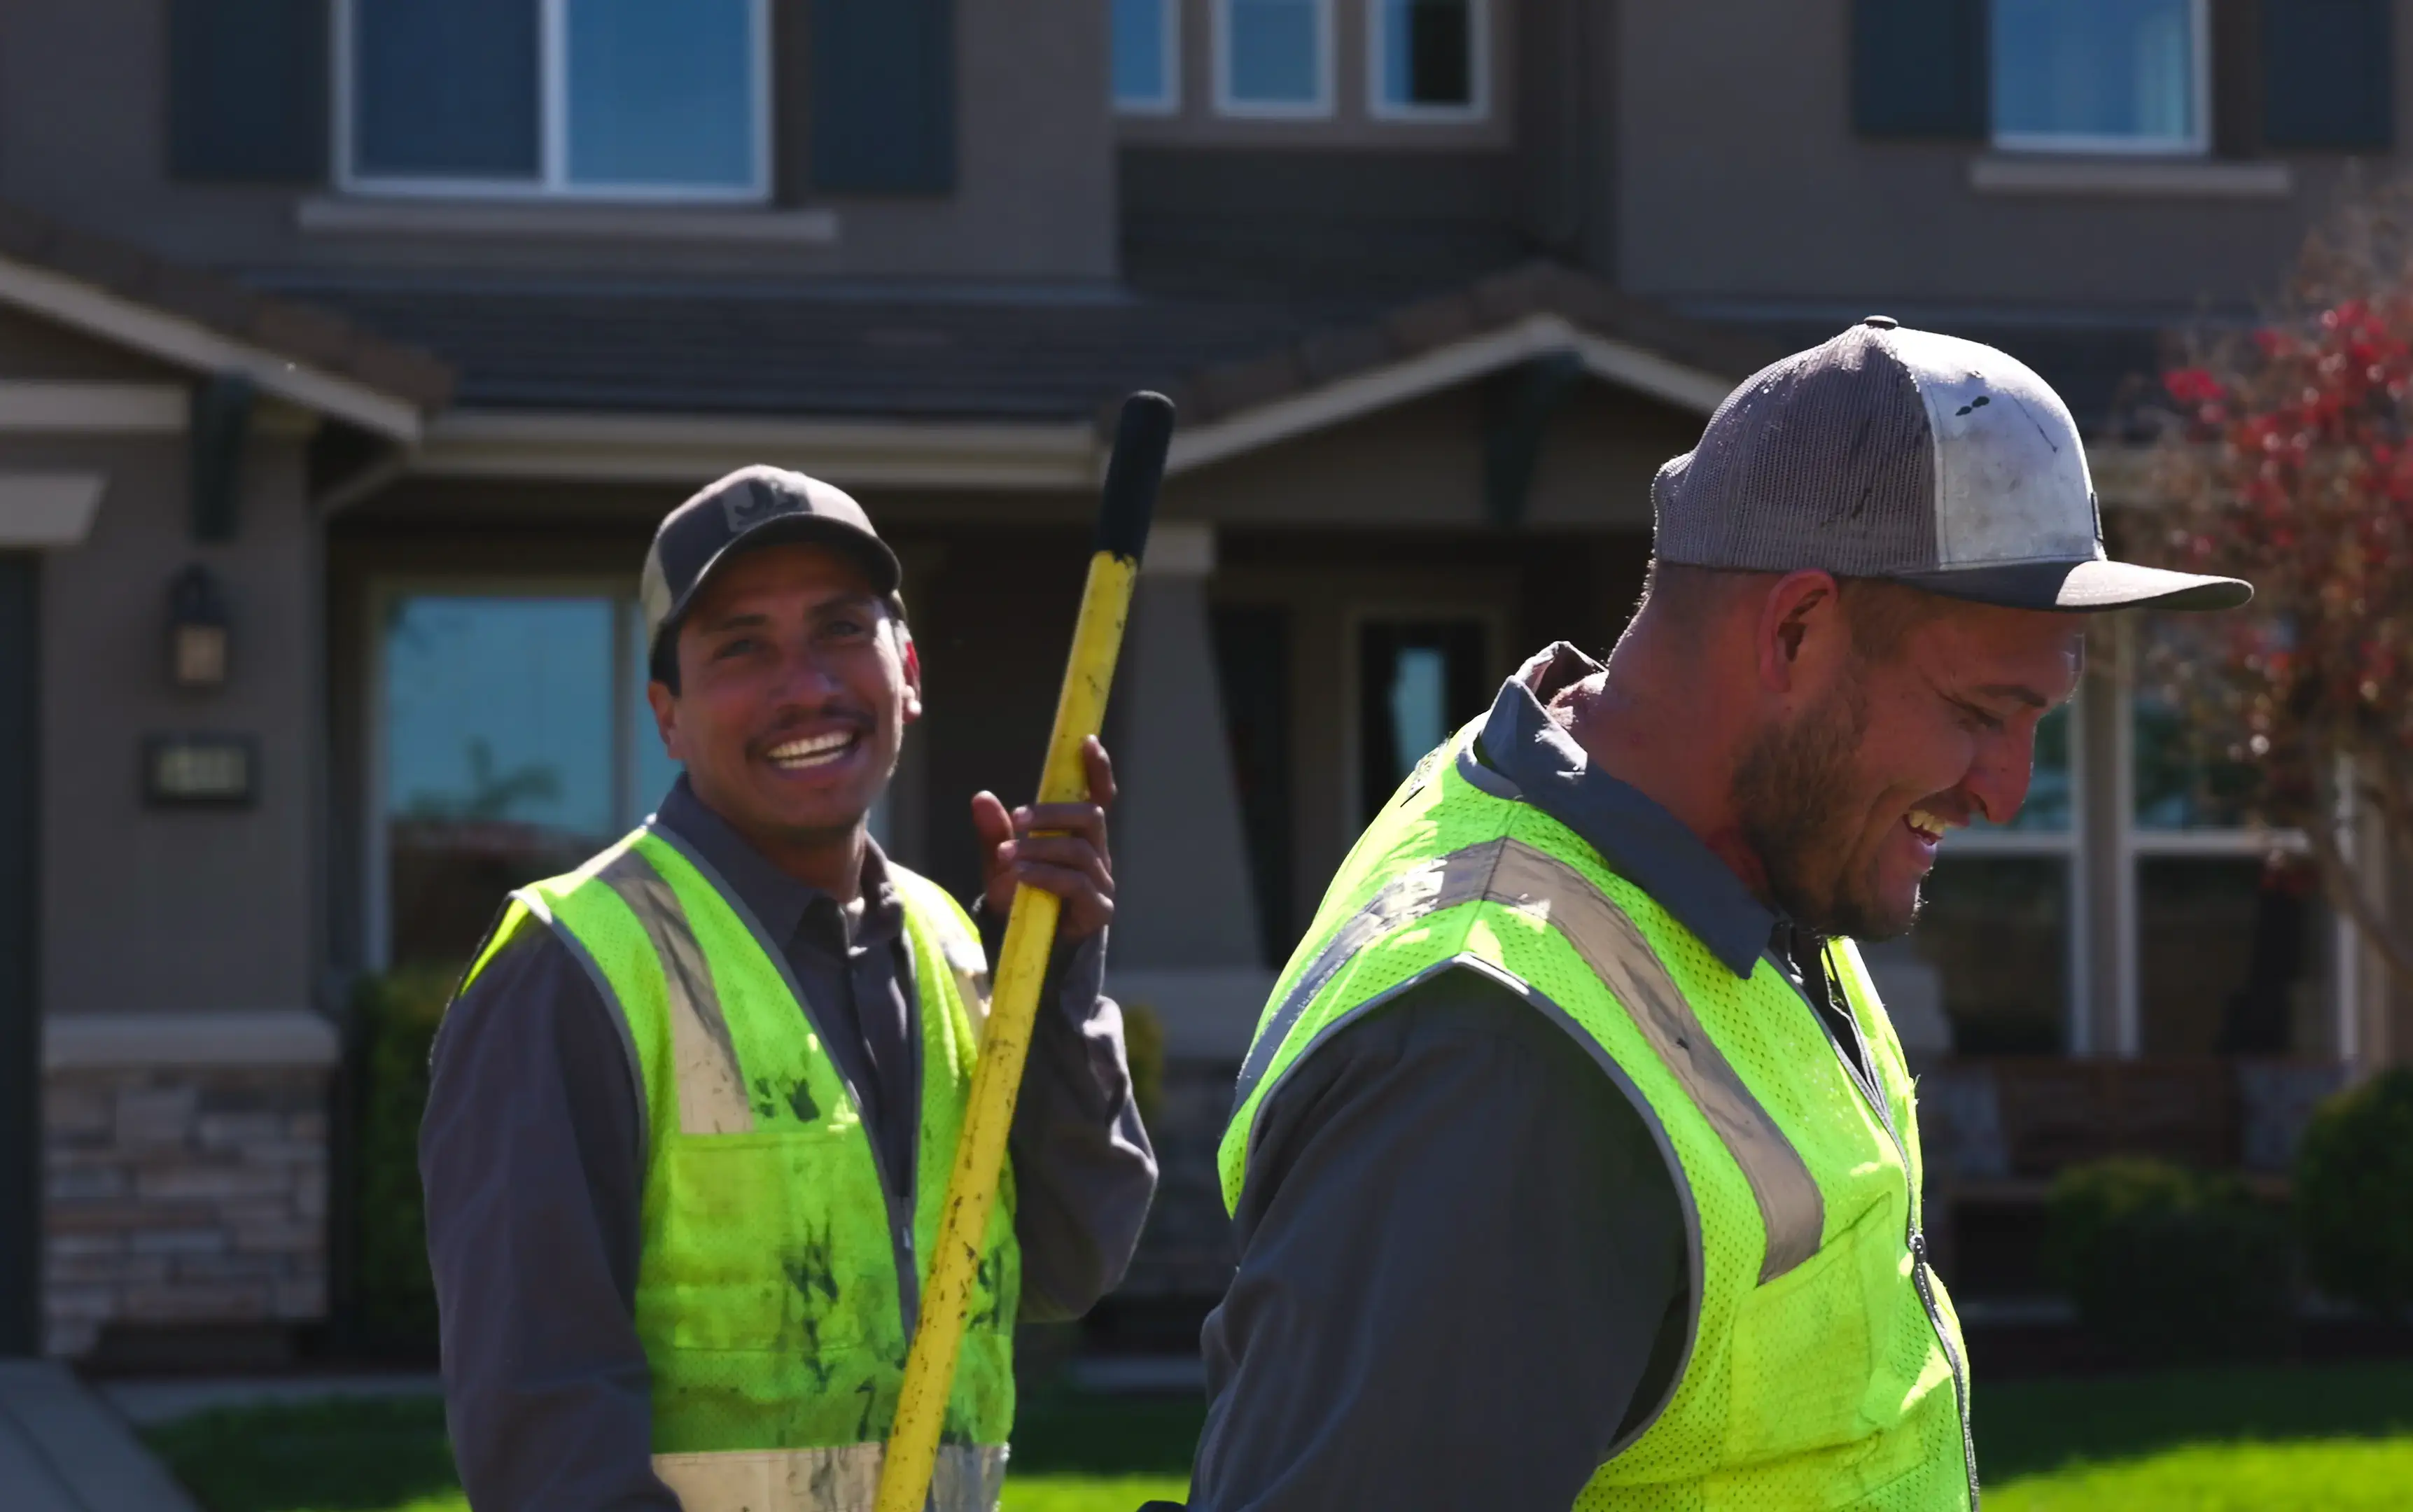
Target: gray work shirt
1462,1270
534,1173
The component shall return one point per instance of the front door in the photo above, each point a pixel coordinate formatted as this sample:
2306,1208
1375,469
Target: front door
21,1025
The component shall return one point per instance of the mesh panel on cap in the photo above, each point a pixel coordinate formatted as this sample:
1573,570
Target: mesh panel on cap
1824,459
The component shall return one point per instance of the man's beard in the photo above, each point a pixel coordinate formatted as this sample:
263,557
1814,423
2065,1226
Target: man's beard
1793,791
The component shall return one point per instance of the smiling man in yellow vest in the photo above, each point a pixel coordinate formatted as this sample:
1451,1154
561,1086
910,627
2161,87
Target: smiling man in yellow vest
692,1113
1574,1160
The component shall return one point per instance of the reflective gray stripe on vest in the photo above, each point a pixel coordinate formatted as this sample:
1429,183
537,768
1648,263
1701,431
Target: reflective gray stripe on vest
704,1058
1515,875
969,1478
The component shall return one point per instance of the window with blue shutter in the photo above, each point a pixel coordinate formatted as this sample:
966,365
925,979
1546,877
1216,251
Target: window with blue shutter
2328,75
1918,69
248,90
642,100
883,96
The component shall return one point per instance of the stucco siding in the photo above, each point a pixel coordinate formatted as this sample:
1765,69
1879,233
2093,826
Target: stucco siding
84,136
145,909
1741,178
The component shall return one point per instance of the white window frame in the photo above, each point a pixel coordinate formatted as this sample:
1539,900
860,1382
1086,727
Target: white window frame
2066,845
1319,109
1478,105
2136,844
2195,144
552,156
1169,102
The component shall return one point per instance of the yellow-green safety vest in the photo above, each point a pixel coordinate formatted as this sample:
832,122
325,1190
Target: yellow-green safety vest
1824,1364
780,1265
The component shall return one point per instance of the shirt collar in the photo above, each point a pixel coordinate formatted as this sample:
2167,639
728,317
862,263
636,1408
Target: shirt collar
781,902
1640,841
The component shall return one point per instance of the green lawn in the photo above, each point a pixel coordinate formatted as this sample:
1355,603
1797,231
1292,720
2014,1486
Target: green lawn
2339,1439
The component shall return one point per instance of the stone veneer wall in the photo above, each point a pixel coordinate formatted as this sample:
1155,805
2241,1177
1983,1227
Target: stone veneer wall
182,1194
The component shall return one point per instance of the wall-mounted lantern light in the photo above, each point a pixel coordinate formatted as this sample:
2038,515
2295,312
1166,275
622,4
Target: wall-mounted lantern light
199,653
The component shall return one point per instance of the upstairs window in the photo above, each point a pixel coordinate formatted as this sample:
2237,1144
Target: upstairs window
1273,57
629,100
1148,56
1427,59
2129,76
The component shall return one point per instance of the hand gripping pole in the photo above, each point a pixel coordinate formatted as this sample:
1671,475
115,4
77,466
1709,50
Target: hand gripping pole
1137,466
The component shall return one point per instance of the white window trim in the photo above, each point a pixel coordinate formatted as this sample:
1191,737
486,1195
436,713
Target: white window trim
2137,843
552,147
1169,102
2067,846
1478,105
377,859
2195,144
1320,107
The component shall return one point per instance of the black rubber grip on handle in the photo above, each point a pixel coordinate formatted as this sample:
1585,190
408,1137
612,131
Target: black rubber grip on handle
1141,438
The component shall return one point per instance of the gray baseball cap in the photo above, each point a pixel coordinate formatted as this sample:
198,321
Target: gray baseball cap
1912,456
751,507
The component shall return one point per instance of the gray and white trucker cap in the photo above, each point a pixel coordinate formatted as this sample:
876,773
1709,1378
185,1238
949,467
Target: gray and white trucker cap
1911,456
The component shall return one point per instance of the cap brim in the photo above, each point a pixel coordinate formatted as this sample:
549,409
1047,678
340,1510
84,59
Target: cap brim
879,563
2084,587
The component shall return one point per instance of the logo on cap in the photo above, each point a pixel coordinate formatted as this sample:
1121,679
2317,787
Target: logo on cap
755,502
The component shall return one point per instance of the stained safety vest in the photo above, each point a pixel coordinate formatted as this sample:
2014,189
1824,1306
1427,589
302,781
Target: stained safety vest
1823,1365
781,1264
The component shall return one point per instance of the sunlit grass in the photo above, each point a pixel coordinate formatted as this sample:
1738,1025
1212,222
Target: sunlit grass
2333,1476
1089,1493
2333,1438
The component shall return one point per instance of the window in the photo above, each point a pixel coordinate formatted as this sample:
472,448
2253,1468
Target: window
2234,949
1999,927
1148,56
643,99
2100,75
1273,57
1427,59
1417,681
514,741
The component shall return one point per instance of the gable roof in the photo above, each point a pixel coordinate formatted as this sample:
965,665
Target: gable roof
201,321
1537,310
710,361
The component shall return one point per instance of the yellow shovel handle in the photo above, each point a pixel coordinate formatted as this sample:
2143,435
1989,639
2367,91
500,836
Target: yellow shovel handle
1022,963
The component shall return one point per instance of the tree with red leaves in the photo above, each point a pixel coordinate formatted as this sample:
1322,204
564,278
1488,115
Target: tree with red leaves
2287,458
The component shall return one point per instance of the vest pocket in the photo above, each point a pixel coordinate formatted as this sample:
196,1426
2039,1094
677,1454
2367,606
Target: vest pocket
1803,1353
775,1242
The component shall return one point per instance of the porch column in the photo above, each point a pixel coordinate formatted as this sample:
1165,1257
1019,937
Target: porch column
1185,935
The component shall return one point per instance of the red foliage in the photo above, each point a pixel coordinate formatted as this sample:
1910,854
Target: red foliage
2287,460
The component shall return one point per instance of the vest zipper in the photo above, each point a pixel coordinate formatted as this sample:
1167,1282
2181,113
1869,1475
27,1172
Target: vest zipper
1915,1238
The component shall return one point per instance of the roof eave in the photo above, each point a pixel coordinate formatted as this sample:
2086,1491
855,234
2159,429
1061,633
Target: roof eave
186,343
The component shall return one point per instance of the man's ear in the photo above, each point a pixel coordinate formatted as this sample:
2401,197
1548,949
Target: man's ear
911,658
1799,621
665,707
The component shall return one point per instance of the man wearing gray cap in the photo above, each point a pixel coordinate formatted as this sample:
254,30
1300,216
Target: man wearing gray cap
1575,1161
693,1108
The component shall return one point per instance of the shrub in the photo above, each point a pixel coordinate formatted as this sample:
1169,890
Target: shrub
2165,1264
2354,1193
396,1016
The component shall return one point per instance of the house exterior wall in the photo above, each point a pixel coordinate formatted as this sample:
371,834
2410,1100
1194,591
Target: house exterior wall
84,136
1739,180
186,1074
154,910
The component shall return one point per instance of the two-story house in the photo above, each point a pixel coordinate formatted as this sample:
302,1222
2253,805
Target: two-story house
349,350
